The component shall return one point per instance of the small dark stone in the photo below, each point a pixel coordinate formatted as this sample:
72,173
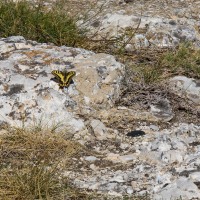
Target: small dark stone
136,133
166,184
172,22
128,1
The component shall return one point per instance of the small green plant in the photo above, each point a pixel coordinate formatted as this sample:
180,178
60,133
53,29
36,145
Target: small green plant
185,60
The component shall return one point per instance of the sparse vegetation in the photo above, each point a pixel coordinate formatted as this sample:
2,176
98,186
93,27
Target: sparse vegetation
36,22
154,66
185,60
32,164
32,161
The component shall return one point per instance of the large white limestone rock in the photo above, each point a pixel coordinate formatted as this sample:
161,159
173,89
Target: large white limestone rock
28,92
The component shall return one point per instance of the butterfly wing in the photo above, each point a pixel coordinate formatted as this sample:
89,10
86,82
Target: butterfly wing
59,75
68,78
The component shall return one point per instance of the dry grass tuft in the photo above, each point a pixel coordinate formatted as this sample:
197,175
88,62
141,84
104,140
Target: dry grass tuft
31,164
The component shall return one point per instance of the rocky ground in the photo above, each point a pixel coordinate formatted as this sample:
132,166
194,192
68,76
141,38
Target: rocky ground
140,139
158,23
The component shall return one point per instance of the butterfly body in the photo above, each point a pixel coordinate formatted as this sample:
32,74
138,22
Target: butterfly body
64,78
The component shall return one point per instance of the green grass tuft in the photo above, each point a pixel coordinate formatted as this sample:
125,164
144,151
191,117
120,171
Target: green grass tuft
185,60
36,22
153,66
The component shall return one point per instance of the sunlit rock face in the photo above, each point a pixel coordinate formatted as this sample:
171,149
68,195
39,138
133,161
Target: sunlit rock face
186,87
29,92
157,23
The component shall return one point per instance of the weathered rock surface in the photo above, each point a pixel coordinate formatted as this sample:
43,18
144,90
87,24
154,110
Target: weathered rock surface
187,87
164,164
181,188
28,92
163,24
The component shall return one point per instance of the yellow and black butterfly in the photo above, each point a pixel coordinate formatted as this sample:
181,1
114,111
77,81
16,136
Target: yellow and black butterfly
64,78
